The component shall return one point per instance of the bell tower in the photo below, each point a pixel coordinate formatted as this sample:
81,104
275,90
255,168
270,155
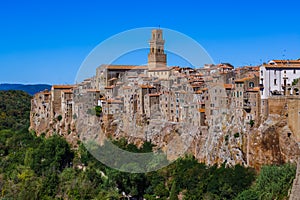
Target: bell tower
157,57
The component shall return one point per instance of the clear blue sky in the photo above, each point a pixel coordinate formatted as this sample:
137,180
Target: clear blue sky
46,41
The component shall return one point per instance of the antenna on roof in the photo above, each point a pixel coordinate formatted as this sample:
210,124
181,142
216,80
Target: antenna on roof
283,55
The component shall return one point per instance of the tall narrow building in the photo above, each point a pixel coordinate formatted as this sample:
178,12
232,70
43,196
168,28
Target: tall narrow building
157,57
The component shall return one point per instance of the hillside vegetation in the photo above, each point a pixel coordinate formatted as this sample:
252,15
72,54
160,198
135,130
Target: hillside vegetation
14,109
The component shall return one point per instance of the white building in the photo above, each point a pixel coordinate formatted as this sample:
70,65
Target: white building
277,75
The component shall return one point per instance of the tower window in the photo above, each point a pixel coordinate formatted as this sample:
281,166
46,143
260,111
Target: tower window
275,81
153,36
152,50
158,36
294,71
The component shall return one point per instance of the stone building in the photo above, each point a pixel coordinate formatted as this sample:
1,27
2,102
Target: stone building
275,77
56,99
40,113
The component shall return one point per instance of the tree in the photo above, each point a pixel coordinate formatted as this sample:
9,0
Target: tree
173,192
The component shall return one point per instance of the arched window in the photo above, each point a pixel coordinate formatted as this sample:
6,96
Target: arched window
251,84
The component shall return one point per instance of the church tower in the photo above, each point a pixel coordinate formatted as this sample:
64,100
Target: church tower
157,57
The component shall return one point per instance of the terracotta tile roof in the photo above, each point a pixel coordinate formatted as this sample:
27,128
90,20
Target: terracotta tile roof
143,76
112,79
146,86
204,89
244,79
126,87
285,61
202,110
199,92
286,66
154,95
228,86
113,101
92,90
125,67
255,89
109,87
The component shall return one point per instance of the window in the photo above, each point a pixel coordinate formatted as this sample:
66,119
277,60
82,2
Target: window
275,81
294,71
275,72
158,35
261,73
251,84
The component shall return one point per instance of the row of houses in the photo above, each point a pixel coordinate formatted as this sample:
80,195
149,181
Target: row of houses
197,96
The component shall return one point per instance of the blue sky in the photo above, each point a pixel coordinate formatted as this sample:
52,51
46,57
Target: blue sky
46,41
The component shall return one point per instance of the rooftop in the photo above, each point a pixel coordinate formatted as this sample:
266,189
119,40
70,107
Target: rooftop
125,67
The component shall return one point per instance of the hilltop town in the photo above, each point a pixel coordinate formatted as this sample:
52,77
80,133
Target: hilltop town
220,114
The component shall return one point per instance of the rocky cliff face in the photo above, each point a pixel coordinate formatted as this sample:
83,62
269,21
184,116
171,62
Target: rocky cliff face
269,143
228,138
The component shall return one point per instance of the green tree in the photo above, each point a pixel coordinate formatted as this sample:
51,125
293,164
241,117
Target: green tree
173,192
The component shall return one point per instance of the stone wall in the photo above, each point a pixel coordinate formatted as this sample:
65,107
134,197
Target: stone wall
294,116
276,105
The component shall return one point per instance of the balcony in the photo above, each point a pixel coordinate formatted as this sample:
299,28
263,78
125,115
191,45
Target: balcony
261,86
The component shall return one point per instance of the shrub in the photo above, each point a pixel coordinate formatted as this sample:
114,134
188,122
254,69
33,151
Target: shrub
236,135
251,123
98,110
59,117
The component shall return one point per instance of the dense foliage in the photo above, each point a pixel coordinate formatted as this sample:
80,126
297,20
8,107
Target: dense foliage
47,168
14,109
273,182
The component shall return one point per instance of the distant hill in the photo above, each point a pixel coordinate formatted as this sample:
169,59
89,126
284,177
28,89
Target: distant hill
30,89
